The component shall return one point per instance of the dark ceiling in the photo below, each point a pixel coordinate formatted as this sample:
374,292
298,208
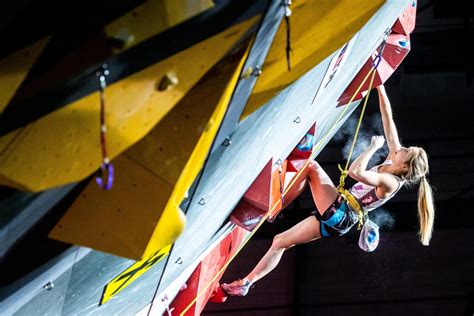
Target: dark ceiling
24,21
432,95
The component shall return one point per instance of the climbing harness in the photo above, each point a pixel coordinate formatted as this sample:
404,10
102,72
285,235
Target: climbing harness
293,180
106,166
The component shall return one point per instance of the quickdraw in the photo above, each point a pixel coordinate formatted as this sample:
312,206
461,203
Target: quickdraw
286,4
106,166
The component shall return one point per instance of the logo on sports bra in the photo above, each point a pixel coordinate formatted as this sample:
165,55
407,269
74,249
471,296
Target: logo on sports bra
369,198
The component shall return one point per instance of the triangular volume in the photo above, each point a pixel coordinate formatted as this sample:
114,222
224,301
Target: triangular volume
292,177
256,201
405,24
141,214
396,49
305,147
203,283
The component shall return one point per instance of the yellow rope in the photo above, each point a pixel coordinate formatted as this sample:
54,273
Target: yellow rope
262,220
228,262
340,188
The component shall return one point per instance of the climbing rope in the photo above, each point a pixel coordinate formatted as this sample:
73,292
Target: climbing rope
106,166
280,171
293,180
351,200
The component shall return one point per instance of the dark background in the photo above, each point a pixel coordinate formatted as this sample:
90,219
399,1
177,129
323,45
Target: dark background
432,96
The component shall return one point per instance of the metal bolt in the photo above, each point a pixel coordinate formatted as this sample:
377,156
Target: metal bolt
257,71
48,286
102,71
226,142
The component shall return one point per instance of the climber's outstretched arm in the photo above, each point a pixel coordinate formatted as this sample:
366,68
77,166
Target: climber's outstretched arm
390,130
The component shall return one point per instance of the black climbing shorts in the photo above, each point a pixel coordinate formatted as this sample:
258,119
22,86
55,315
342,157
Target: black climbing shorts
337,220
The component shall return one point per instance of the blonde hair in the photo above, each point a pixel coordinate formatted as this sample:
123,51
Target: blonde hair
417,171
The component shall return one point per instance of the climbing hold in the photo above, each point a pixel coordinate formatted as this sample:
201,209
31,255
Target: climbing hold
121,40
306,143
250,71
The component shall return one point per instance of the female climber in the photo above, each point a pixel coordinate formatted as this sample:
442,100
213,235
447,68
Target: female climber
374,187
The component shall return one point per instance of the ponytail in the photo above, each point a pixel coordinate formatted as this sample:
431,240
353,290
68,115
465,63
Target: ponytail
426,211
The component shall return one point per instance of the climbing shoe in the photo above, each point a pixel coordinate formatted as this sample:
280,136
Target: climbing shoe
237,288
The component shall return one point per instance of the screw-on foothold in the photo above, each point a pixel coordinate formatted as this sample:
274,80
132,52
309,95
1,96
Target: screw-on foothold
297,120
179,261
278,162
250,71
202,201
168,81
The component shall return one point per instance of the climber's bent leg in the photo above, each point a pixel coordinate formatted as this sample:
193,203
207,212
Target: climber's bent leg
322,188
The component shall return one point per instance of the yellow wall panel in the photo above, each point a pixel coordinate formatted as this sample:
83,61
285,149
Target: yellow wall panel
120,220
153,17
168,159
318,28
64,146
14,68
